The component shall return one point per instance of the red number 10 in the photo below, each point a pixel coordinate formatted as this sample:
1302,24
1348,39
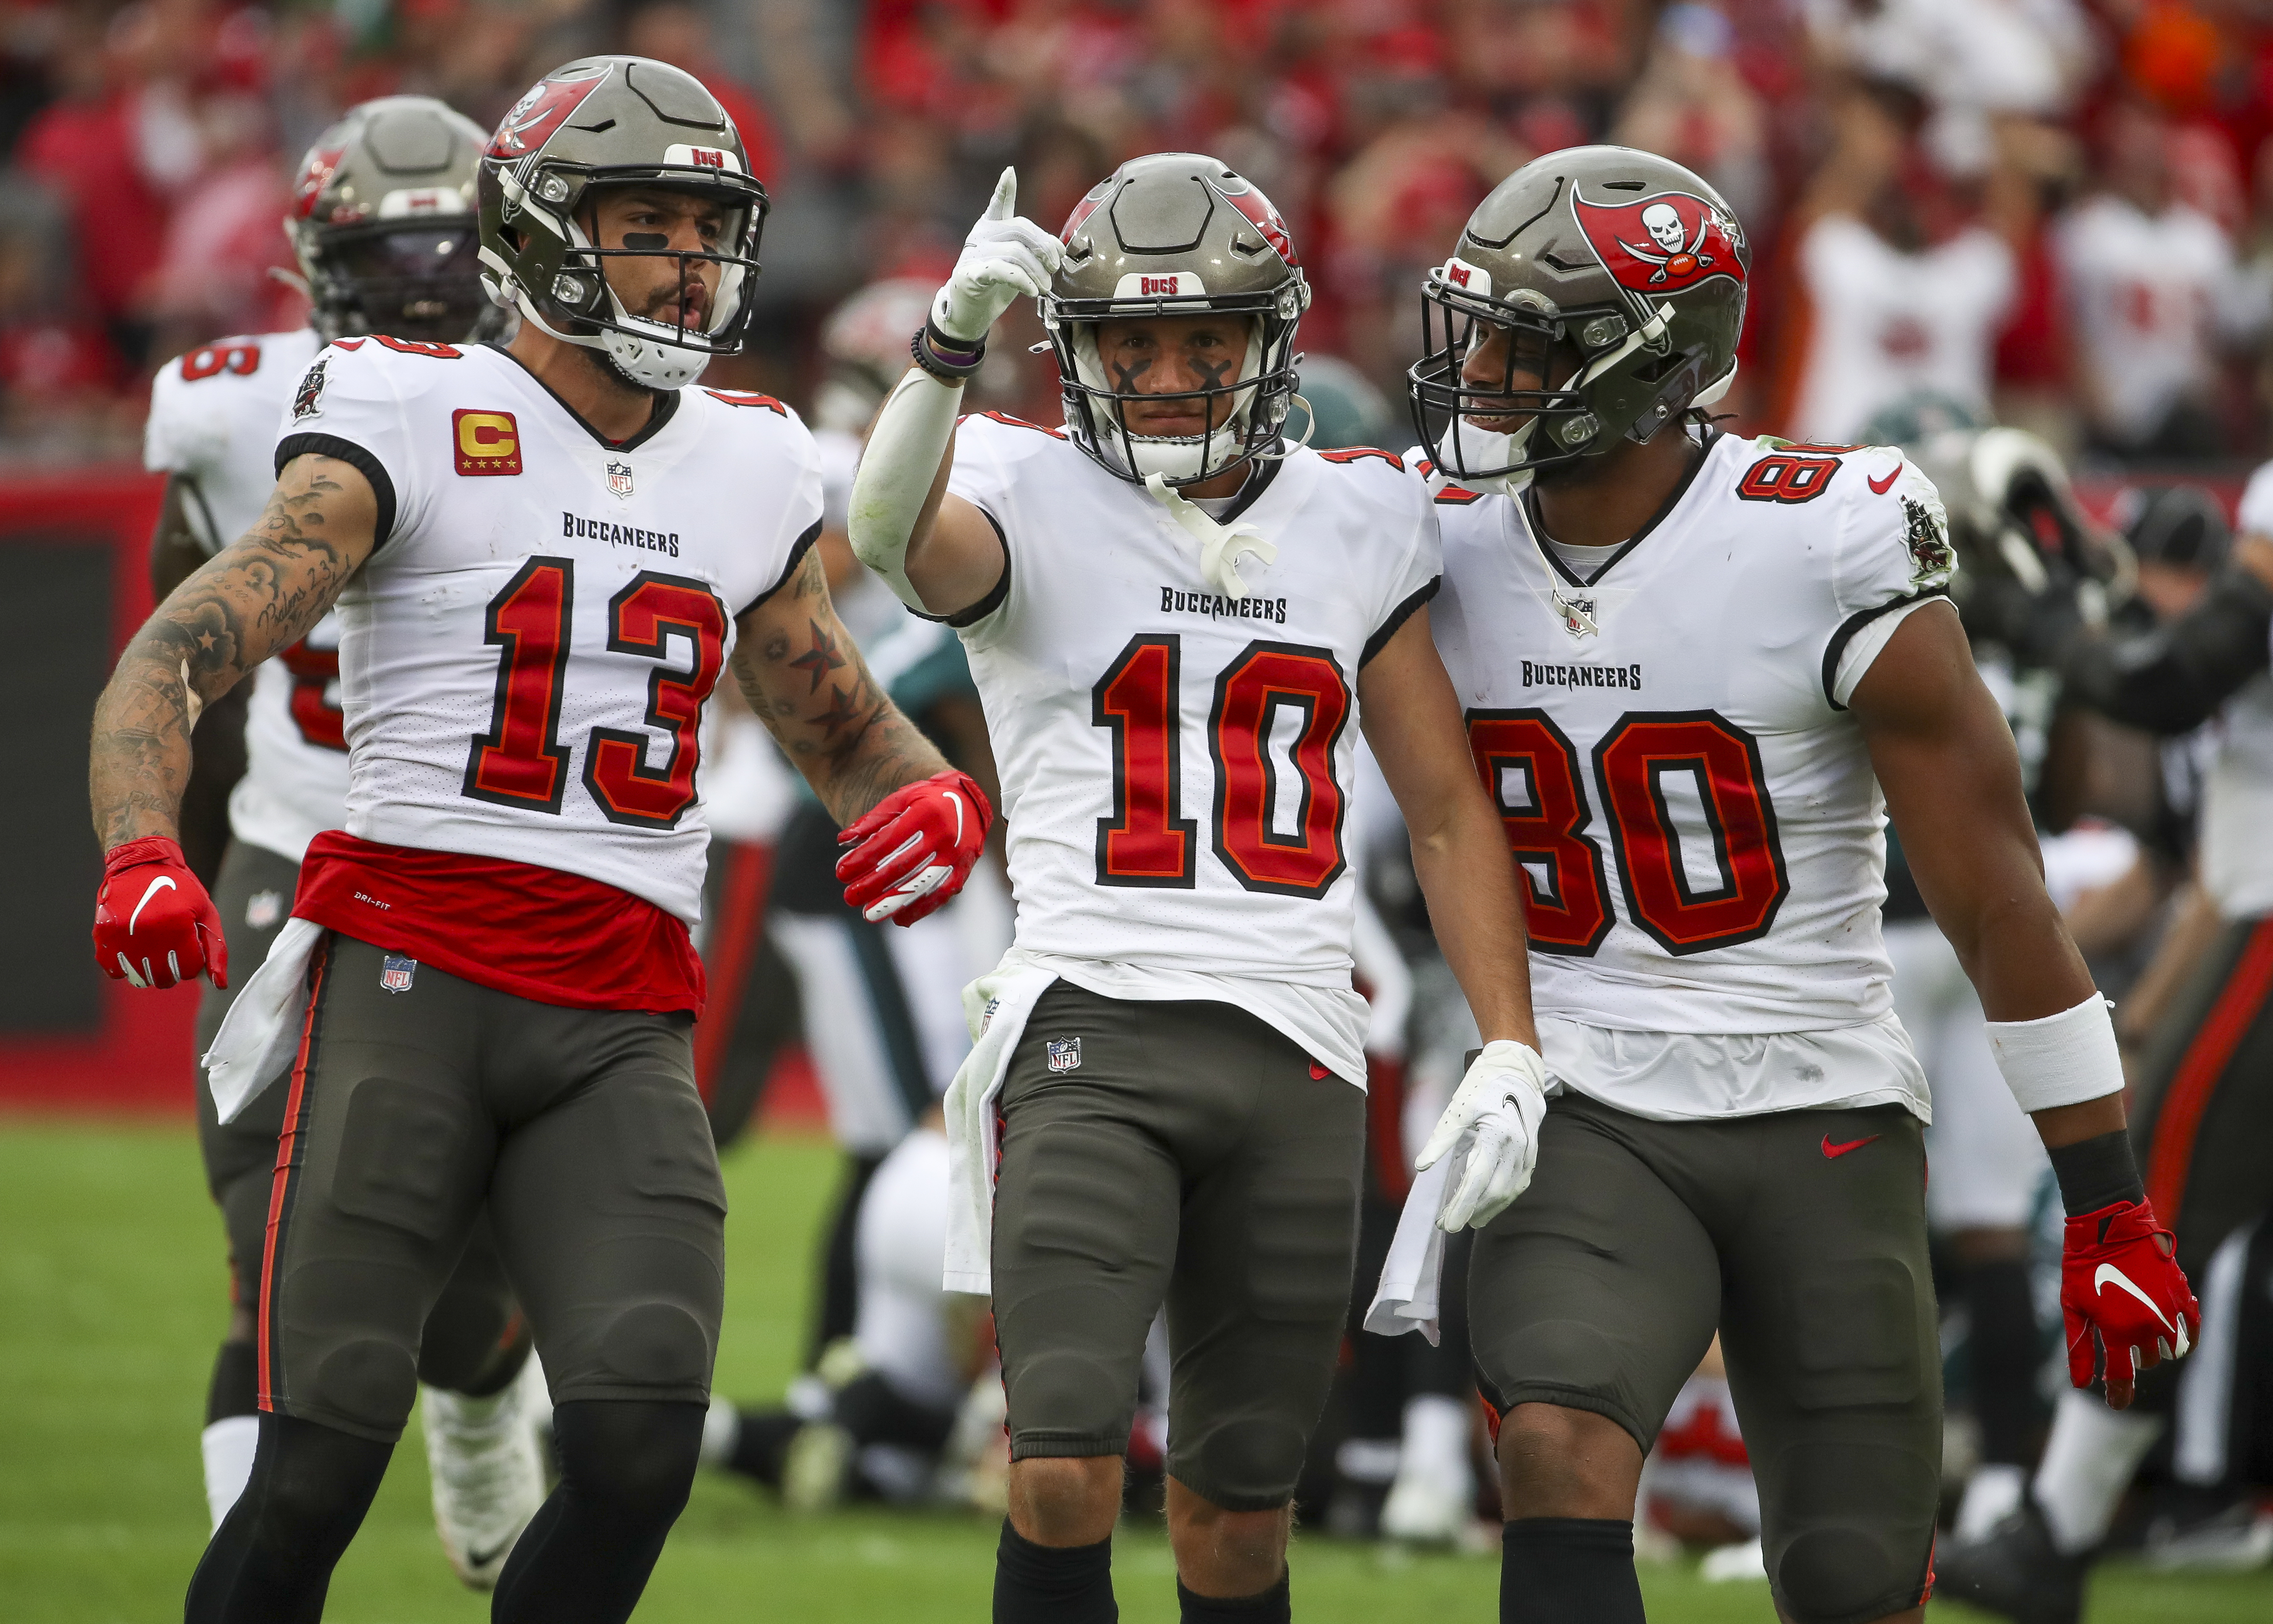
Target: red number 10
1146,843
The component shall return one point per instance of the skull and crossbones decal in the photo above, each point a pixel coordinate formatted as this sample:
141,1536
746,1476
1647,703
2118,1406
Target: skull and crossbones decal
1681,254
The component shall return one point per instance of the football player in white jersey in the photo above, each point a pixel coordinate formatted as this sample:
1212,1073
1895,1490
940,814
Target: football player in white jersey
383,225
1174,618
1695,669
544,557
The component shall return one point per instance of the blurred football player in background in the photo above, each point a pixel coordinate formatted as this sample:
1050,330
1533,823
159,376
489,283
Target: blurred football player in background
383,225
2204,1106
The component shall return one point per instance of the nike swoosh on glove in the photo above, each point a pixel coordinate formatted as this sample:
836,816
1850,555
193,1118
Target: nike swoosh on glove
153,923
914,848
1496,1110
2118,1277
1004,258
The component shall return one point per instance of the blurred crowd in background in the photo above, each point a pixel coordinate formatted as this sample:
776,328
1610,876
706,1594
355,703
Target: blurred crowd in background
2062,209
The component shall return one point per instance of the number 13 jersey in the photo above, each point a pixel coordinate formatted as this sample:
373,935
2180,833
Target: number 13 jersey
1668,744
1178,766
525,656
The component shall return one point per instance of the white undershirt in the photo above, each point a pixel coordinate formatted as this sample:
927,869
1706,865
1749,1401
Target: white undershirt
1585,562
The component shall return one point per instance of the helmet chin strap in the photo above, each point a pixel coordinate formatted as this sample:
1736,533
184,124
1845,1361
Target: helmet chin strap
1221,545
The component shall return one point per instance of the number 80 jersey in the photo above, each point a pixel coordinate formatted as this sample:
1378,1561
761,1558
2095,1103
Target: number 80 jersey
1668,744
525,656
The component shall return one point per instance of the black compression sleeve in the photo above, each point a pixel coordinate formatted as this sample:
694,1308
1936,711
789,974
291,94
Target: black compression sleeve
2096,1172
2170,680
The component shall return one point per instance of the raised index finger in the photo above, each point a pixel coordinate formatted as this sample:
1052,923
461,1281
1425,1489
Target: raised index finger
1004,203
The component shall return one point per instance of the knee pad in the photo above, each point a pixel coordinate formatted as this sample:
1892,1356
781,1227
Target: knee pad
656,1344
1244,1463
364,1380
1842,1573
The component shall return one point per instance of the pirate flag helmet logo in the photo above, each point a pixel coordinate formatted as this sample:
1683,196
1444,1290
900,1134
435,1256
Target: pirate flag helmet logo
1664,244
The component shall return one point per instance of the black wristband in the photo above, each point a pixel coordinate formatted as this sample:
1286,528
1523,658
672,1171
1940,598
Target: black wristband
2098,1172
957,364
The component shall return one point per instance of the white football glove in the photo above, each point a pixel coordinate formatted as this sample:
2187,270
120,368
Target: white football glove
1497,1108
1005,256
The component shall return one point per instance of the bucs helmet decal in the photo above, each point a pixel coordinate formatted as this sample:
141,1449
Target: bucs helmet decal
529,122
1266,219
1664,244
315,172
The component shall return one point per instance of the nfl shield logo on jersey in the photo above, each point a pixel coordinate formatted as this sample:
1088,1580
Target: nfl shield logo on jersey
620,478
395,972
1064,1053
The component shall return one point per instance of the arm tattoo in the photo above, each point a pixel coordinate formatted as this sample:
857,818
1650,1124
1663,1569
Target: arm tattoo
823,705
821,659
258,595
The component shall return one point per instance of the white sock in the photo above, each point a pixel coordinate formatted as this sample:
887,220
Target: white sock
1437,1430
2088,1464
1991,1494
227,1446
1367,1460
721,1429
457,1412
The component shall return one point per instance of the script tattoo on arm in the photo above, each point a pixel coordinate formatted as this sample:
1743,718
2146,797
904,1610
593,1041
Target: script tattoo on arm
807,682
259,594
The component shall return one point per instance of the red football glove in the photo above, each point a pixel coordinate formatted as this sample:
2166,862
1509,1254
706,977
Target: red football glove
915,848
153,923
2118,1278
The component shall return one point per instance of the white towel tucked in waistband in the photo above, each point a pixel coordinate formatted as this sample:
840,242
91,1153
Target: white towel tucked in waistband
261,1032
995,1006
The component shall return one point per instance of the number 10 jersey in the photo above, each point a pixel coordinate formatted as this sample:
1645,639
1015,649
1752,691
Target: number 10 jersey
1668,744
1177,766
525,656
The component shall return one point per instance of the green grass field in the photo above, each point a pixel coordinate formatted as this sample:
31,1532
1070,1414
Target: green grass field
111,1294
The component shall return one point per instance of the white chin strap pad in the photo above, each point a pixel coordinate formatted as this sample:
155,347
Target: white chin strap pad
1714,393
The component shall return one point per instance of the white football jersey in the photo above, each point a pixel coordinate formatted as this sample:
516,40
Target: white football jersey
525,657
1670,747
1885,325
2146,296
213,419
1178,767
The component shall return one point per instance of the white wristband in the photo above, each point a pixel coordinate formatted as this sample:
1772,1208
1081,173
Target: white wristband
2061,1060
896,470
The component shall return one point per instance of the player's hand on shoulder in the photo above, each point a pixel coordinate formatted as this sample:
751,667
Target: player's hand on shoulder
915,848
2121,1284
1006,257
153,923
1496,1114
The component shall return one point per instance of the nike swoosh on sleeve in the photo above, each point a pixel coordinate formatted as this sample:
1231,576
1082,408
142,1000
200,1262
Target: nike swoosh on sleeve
2108,1273
165,880
1879,487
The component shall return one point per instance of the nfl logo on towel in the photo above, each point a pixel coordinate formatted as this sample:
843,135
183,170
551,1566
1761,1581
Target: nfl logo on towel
394,975
1065,1053
620,478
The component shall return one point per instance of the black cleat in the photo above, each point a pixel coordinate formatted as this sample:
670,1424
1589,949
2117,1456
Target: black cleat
2014,1570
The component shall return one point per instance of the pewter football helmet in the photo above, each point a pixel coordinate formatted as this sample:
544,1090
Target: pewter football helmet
1629,259
383,225
617,121
1176,233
